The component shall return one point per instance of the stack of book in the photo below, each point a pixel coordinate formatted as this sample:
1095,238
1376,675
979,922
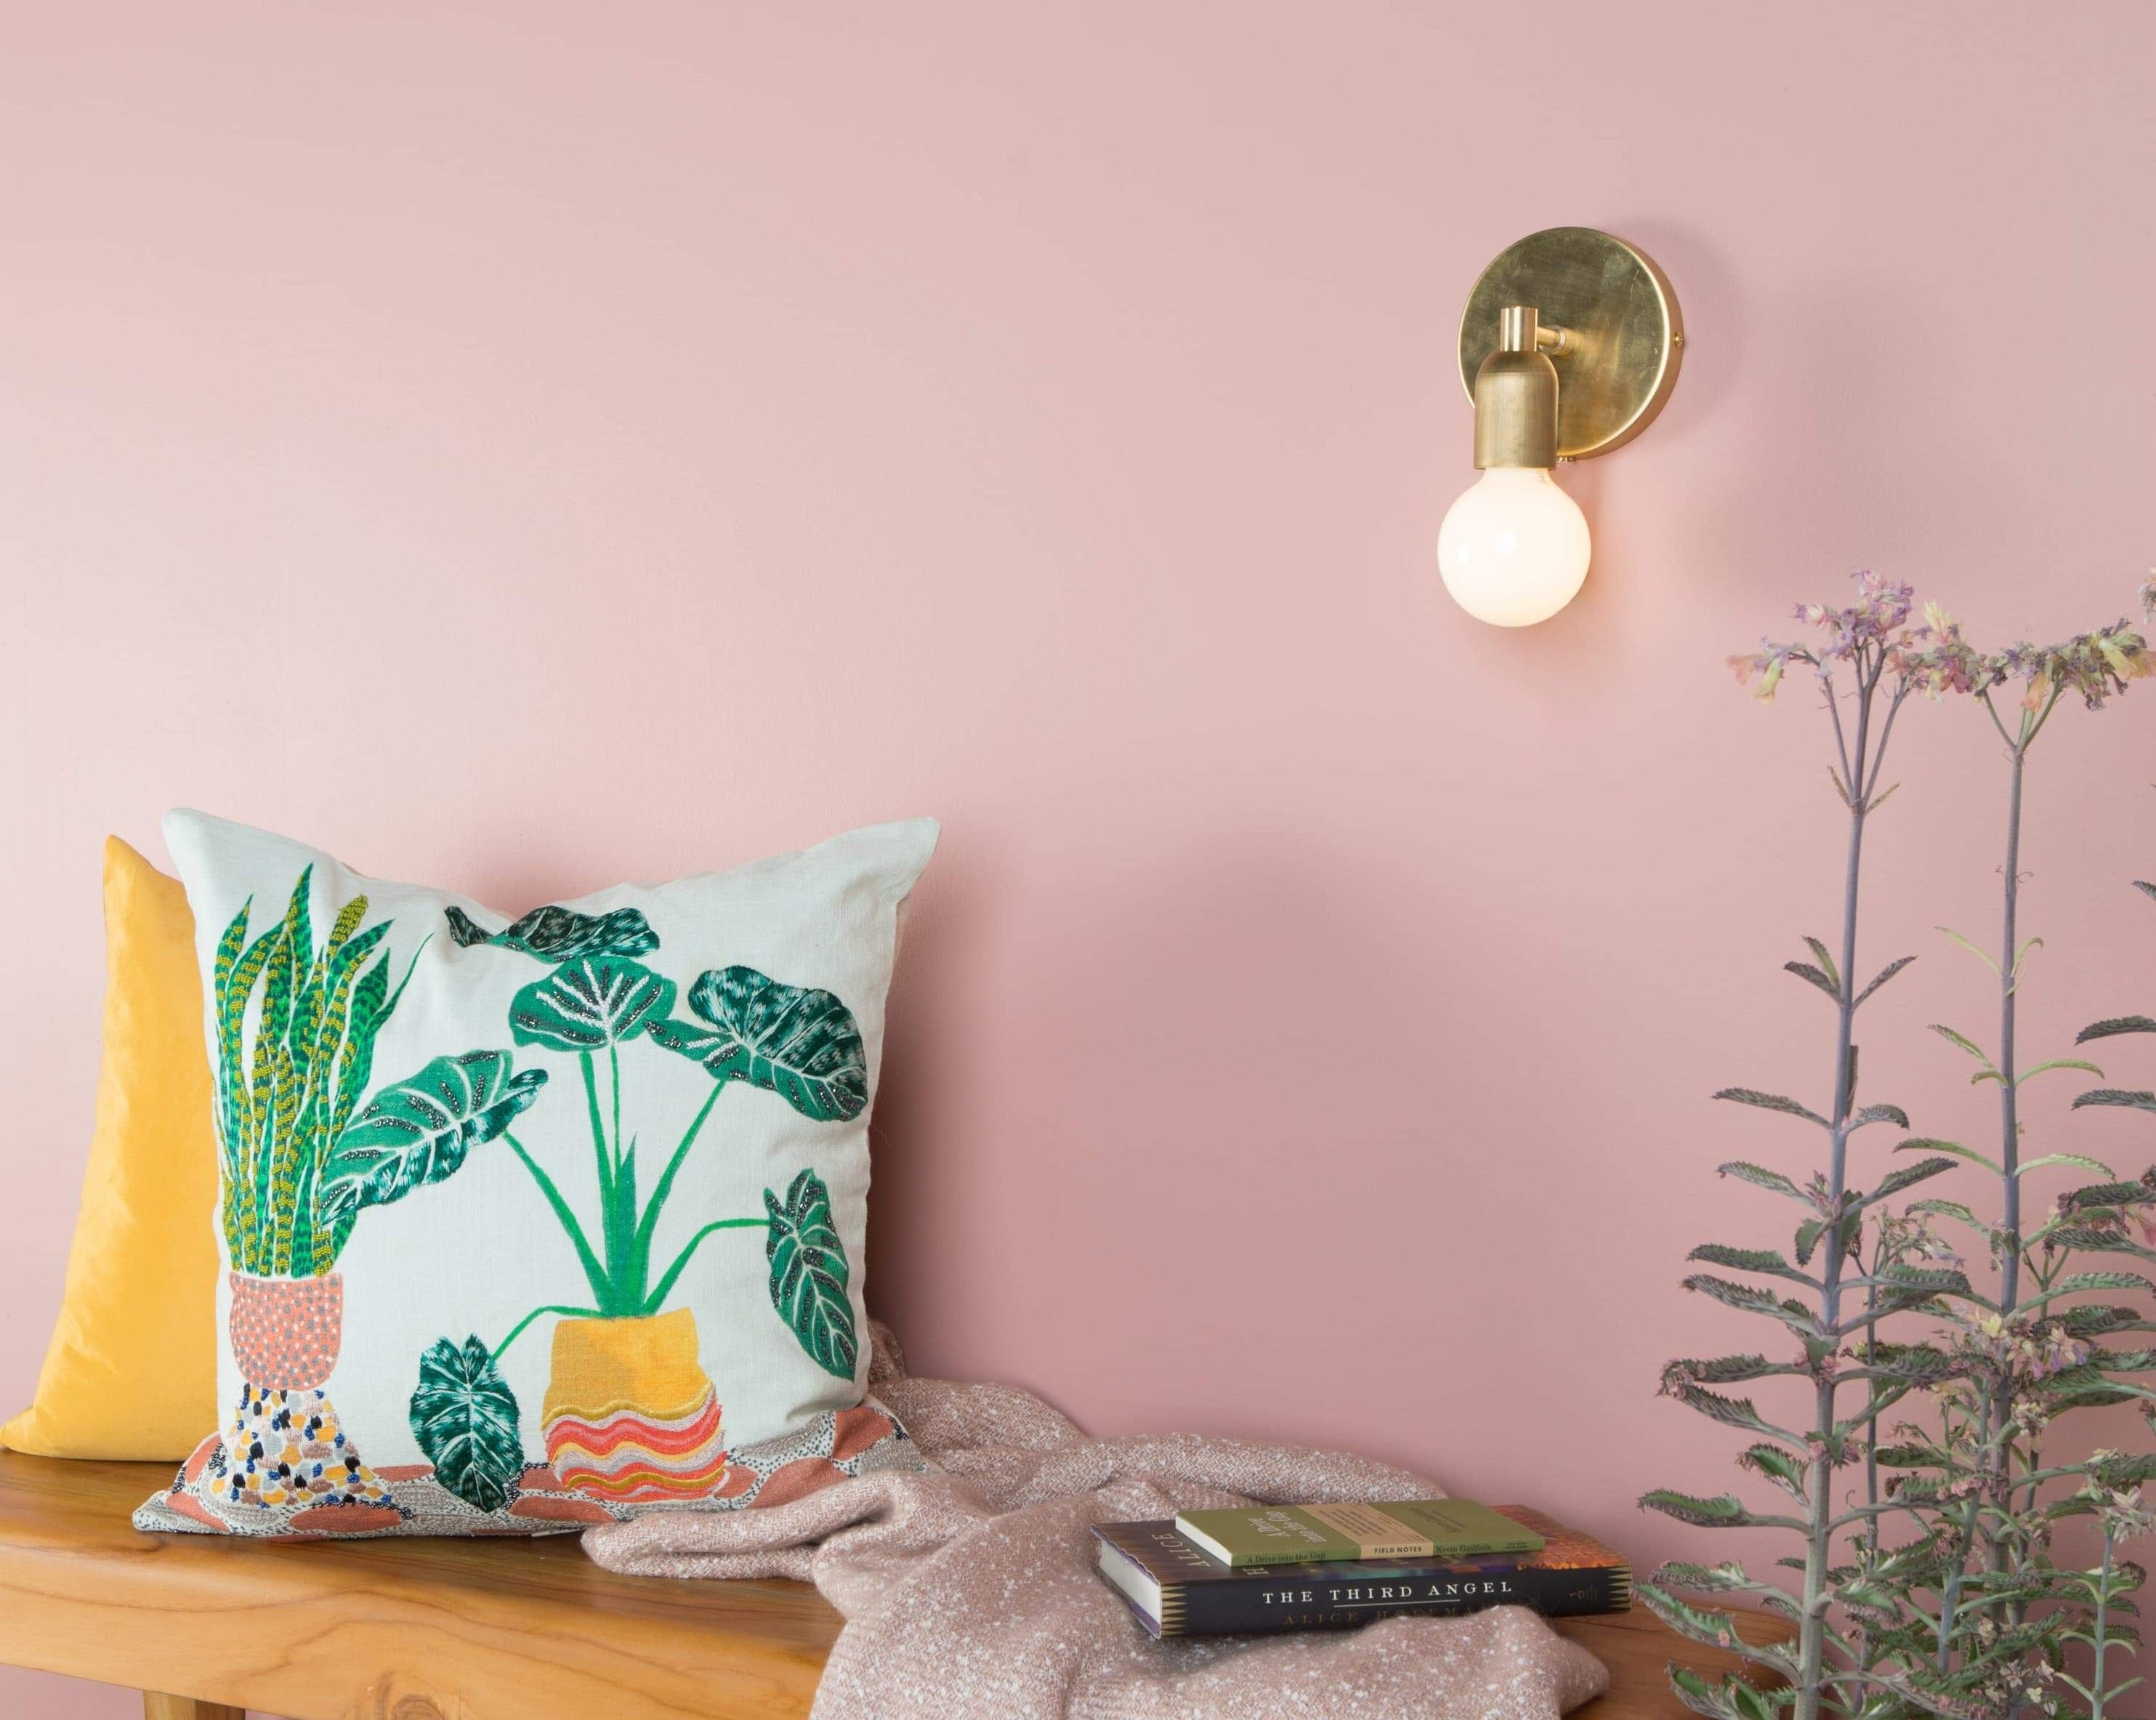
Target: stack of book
1320,1567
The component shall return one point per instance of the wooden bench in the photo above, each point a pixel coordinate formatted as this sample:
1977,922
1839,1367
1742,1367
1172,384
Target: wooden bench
441,1630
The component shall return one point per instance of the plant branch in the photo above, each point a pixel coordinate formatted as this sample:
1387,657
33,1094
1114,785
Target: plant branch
657,1299
594,1274
516,1330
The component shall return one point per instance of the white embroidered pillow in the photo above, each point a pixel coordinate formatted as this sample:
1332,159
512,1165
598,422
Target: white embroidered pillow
537,1222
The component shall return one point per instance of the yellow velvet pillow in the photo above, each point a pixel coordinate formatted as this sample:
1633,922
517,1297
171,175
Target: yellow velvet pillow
131,1371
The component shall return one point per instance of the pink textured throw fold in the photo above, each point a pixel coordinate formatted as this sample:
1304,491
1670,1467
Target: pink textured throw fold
969,1594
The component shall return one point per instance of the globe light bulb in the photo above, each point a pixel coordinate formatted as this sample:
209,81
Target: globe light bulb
1513,549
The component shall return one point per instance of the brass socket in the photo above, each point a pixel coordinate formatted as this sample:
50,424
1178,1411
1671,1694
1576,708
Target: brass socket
1516,397
1603,310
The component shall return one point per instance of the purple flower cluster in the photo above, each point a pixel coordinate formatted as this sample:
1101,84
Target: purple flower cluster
2094,665
1933,658
1874,624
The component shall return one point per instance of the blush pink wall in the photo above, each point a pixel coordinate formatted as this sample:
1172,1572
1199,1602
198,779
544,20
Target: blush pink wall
519,445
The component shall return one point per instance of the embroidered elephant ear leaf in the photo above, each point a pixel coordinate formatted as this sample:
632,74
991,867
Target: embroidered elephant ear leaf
558,934
417,1131
588,1003
801,1043
464,1417
809,1274
464,931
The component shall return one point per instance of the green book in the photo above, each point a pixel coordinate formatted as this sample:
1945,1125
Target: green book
1409,1528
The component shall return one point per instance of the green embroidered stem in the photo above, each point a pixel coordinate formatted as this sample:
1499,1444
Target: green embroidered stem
613,1087
594,1274
599,1151
621,1235
516,1330
658,1298
641,1251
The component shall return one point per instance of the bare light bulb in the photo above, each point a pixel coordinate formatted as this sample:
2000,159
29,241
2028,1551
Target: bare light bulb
1513,549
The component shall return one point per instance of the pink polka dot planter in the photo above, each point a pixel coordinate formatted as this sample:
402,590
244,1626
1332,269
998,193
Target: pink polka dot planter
285,1331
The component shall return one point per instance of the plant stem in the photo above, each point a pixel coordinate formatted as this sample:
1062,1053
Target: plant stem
658,1296
649,1222
2102,1627
598,1133
2009,1100
1997,1454
614,1083
594,1274
1818,1533
516,1330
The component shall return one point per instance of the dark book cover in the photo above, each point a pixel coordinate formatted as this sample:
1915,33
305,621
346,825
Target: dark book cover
1175,1589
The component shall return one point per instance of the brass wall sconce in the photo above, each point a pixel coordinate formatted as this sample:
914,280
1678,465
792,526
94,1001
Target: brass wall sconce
1568,348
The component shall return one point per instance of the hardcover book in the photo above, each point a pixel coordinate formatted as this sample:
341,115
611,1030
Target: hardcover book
1305,1534
1174,1589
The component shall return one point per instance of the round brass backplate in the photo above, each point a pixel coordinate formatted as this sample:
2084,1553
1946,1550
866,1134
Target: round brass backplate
1624,335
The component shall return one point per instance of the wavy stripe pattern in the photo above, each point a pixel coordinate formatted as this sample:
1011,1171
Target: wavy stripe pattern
630,1456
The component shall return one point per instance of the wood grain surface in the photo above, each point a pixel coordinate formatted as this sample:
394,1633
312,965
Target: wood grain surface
453,1630
157,1706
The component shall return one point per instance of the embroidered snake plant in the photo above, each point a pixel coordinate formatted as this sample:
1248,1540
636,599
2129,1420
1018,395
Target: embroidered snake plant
297,1026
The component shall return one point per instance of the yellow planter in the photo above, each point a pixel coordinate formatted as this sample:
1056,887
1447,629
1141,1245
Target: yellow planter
631,1415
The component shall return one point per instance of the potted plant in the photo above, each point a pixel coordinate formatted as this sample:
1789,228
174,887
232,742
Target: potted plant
302,1157
630,1415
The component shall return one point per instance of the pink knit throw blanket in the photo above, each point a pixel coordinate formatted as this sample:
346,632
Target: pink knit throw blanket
969,1594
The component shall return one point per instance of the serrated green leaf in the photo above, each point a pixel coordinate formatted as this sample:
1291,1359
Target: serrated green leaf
2095,1239
1922,1281
1749,1260
2133,1101
1785,1471
1884,974
2076,1283
1926,1144
1726,1512
1724,1370
1761,1178
1971,948
2107,1194
2114,1025
1727,1579
1713,1628
1804,971
1965,1043
1904,1177
2094,1319
1730,1412
1880,1113
1771,1101
1820,954
1917,1363
1742,1296
1807,1239
2086,1068
2078,1160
